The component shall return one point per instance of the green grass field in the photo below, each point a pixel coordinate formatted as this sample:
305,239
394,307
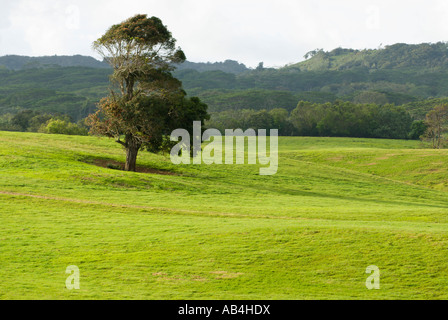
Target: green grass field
335,207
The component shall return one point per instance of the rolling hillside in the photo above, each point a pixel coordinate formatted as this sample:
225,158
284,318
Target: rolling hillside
335,207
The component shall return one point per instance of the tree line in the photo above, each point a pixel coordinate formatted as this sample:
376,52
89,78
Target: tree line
337,119
34,121
331,119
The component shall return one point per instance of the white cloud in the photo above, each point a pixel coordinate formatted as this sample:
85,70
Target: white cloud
250,31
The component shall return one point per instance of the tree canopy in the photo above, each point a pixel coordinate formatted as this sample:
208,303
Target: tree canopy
140,50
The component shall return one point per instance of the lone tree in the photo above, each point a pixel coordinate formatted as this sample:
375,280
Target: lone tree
149,102
436,124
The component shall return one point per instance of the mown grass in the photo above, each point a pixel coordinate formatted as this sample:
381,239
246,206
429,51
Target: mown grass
336,206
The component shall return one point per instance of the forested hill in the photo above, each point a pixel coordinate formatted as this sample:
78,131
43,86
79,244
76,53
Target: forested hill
397,74
424,56
400,74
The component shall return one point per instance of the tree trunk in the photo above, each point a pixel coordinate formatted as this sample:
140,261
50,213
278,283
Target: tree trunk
131,157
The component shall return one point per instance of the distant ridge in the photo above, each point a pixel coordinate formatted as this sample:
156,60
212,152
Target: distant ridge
15,62
417,57
228,66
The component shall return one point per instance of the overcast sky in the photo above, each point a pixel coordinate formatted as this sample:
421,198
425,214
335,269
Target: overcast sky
276,32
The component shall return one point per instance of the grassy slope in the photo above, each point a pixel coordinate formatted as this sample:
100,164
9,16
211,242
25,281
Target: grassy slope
335,207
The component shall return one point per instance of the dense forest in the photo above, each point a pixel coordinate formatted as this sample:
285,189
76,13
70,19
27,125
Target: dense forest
400,81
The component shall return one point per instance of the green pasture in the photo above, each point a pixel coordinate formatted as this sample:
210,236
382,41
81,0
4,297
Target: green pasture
335,207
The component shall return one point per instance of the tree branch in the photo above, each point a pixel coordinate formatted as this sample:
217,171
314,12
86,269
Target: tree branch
120,142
